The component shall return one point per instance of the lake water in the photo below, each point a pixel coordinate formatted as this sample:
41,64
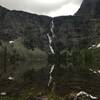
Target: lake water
42,77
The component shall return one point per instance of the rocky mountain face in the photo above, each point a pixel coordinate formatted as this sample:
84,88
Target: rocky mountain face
15,24
26,72
89,8
53,34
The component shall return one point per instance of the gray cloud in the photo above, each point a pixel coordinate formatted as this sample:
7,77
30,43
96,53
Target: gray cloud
34,6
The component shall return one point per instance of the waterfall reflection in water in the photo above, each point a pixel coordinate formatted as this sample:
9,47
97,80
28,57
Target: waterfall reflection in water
67,79
50,78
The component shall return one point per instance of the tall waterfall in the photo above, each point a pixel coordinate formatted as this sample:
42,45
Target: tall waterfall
50,38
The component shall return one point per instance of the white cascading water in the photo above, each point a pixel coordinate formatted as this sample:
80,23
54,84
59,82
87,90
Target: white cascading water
52,68
50,78
52,28
50,37
50,42
51,49
94,71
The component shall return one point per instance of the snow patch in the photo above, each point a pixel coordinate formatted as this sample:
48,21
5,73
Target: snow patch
3,93
95,71
98,45
92,47
99,71
81,93
11,42
52,28
10,78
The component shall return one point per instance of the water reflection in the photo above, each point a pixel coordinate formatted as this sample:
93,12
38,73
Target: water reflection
59,78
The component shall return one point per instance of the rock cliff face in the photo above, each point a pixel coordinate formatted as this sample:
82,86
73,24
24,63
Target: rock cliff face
53,34
14,23
89,8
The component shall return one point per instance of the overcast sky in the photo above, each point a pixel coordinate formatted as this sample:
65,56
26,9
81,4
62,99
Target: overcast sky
45,7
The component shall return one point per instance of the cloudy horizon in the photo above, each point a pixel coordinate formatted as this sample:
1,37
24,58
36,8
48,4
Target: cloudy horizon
44,7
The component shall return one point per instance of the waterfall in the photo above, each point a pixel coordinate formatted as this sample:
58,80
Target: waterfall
50,78
3,93
50,44
52,50
52,28
50,37
52,68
